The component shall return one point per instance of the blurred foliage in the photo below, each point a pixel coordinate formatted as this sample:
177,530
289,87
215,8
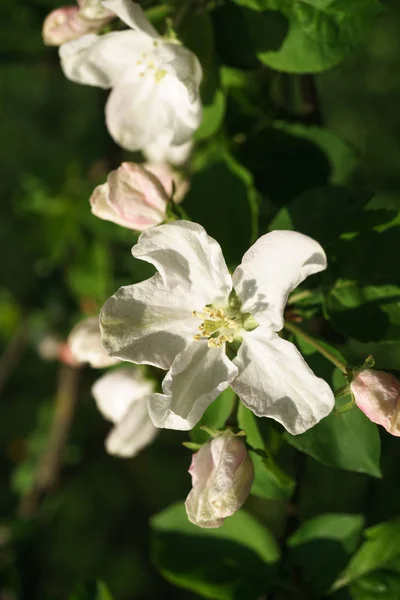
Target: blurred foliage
282,145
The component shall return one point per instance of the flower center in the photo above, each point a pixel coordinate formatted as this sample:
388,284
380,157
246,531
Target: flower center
148,64
223,324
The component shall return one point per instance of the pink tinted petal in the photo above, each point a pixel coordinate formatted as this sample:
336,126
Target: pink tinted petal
377,394
63,25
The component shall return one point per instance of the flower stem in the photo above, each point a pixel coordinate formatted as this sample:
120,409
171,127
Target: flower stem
289,326
232,420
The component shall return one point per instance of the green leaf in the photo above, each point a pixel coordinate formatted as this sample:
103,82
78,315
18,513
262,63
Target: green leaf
235,561
348,441
323,213
380,549
321,547
90,276
223,199
215,416
341,155
269,480
93,591
320,33
380,585
213,116
351,306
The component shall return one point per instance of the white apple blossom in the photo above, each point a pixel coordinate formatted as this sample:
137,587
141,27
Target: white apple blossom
155,81
377,394
222,475
84,342
161,152
121,396
182,318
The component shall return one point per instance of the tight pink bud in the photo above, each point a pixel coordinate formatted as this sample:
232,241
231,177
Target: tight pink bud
222,474
63,25
377,394
132,197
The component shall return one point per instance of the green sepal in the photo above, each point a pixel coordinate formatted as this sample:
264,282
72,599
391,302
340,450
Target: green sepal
343,391
192,446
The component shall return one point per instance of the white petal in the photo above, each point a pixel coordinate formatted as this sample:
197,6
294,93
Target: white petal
133,433
275,381
162,151
103,60
116,391
198,375
85,344
187,257
276,264
146,324
132,15
135,113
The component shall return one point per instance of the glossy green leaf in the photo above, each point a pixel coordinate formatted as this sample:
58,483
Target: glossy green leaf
94,591
321,547
320,33
215,416
269,480
341,155
235,561
365,313
380,549
323,213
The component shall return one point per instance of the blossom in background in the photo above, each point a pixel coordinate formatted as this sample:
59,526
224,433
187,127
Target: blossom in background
377,394
135,196
222,474
121,396
72,22
84,343
161,152
155,82
181,319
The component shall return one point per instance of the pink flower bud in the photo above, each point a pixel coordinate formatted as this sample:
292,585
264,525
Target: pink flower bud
377,394
132,197
222,474
173,183
63,25
71,22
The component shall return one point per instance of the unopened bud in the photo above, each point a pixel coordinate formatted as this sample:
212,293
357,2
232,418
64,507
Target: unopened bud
84,342
174,184
93,10
132,197
72,22
377,394
222,474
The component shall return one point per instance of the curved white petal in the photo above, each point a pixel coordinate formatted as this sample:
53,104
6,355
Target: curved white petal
135,113
132,15
275,381
133,433
116,391
187,257
198,375
103,60
274,266
146,324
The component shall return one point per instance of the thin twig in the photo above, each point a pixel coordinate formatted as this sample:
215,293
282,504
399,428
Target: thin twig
51,460
13,354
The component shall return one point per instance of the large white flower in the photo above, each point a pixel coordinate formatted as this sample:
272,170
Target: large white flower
122,396
181,319
155,82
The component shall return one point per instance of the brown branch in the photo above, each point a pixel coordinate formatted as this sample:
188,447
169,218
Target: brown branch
51,460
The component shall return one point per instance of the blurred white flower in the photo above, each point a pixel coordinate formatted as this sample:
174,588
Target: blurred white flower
84,342
155,82
161,152
222,475
377,394
121,396
72,22
181,319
